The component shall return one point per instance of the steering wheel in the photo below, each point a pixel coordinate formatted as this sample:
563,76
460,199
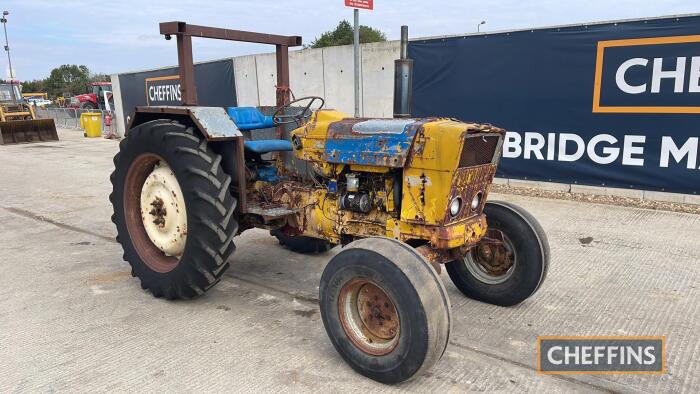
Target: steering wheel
299,117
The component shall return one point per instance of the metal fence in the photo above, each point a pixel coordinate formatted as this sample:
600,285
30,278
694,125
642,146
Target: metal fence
69,118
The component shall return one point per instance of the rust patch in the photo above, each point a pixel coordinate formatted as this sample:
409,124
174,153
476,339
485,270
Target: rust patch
436,257
492,254
158,211
368,317
466,183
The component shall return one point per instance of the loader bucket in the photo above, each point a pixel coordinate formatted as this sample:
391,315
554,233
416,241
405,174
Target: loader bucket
21,131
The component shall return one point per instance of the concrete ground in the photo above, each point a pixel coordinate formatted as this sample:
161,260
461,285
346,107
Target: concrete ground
73,319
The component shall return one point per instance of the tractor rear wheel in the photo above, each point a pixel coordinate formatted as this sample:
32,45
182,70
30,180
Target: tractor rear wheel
173,209
302,244
511,261
385,309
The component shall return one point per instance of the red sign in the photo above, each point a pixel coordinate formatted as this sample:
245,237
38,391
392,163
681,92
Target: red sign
364,4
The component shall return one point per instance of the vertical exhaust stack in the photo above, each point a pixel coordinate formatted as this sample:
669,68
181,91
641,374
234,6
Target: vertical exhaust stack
403,79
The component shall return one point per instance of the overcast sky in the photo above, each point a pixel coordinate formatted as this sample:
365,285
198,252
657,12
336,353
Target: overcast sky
117,36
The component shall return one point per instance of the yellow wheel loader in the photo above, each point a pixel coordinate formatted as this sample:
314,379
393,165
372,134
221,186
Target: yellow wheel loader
18,121
401,197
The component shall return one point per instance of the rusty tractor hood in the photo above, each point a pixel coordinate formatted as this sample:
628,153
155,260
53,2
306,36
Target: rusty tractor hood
373,142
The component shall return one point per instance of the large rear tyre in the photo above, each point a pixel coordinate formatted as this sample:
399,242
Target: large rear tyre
385,309
173,209
302,244
511,261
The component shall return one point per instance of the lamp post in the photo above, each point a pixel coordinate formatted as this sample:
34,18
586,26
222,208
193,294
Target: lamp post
478,27
3,20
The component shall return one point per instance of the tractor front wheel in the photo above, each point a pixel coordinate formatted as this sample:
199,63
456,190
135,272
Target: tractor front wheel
385,309
511,261
173,209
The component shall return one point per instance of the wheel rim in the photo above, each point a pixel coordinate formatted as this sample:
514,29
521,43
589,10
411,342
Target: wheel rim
163,210
493,260
156,228
369,317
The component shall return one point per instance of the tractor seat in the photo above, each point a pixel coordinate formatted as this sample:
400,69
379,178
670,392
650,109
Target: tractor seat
265,146
249,118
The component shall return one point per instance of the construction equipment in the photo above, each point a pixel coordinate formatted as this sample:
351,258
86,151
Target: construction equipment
404,196
18,121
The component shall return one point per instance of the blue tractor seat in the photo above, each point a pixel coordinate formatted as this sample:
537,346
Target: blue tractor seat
250,118
265,146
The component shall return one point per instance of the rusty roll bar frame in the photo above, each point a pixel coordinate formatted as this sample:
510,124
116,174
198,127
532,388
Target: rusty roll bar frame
188,90
184,34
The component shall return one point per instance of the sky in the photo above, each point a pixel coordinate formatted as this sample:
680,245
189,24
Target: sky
118,36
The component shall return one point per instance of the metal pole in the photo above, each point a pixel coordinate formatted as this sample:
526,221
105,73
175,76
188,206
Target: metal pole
403,79
356,43
404,43
7,44
188,89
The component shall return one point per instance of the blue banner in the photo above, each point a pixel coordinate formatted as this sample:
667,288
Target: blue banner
611,104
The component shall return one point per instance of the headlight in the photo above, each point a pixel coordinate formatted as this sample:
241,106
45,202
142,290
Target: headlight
476,201
455,205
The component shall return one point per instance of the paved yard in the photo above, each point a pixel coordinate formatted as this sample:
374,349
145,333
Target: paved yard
73,319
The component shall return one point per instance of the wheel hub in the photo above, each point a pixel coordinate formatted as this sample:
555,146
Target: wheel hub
377,312
493,259
163,211
369,317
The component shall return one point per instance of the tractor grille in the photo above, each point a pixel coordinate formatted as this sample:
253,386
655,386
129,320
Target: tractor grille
479,150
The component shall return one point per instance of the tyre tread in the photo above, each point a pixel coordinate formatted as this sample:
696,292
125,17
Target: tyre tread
210,250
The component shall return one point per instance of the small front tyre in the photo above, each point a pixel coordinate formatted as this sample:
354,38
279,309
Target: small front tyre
511,261
385,309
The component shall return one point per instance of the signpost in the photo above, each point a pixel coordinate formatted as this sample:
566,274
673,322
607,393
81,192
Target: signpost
365,5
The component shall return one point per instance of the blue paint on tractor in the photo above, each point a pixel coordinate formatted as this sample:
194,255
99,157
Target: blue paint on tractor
332,186
268,174
384,143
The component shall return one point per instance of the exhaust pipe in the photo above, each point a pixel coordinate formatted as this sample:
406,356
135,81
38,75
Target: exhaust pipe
403,79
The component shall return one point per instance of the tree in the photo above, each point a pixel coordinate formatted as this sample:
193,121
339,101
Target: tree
343,35
68,78
35,86
99,77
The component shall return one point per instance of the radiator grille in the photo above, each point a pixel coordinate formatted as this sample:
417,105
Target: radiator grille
478,150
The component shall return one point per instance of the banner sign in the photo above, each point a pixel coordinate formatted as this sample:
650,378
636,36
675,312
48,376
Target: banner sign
613,104
163,90
214,80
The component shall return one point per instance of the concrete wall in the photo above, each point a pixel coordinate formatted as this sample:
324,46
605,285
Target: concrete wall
118,105
325,72
246,74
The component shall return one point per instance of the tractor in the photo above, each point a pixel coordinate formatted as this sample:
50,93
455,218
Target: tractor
399,197
94,98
